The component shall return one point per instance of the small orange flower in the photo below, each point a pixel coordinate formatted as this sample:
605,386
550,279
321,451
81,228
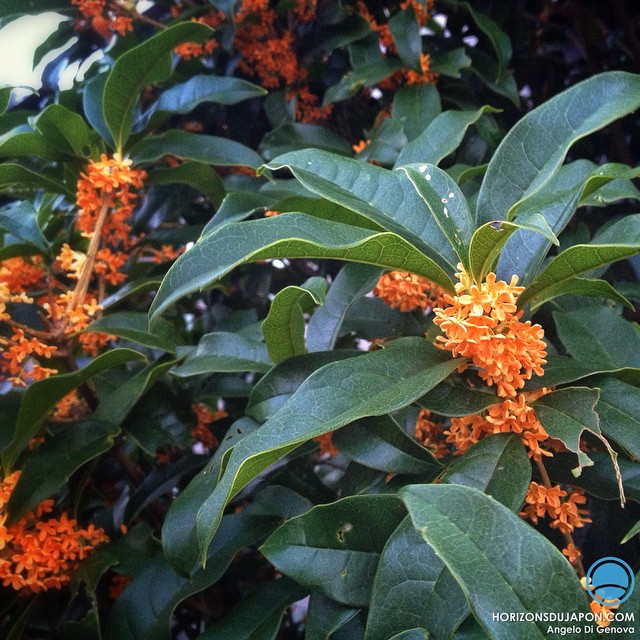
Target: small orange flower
326,445
359,147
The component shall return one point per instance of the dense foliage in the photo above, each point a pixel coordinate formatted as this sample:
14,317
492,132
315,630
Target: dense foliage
310,328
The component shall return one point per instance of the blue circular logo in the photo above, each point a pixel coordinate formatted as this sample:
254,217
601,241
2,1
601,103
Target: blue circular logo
610,581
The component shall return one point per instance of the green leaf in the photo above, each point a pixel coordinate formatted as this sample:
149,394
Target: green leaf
133,326
386,197
333,549
259,614
222,351
42,396
500,562
449,63
116,406
379,443
365,75
147,63
453,400
412,634
413,588
61,38
442,136
416,106
379,382
280,382
565,414
325,616
619,411
284,326
488,240
385,143
286,236
599,337
11,8
562,369
160,482
195,174
21,220
405,30
371,318
581,258
5,98
352,282
291,136
334,35
145,608
92,104
498,466
18,143
52,463
67,131
184,97
446,204
498,38
590,287
221,152
602,479
141,285
634,531
18,180
533,150
179,536
570,187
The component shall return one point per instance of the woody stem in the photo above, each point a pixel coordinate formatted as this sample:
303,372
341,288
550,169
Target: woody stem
84,278
567,536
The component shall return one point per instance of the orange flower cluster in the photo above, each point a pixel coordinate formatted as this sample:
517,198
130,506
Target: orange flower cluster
308,107
108,182
105,22
38,553
513,415
266,51
19,363
206,416
70,407
407,291
430,434
481,322
562,507
105,200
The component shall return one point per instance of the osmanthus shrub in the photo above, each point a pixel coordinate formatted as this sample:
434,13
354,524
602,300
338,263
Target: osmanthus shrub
274,326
